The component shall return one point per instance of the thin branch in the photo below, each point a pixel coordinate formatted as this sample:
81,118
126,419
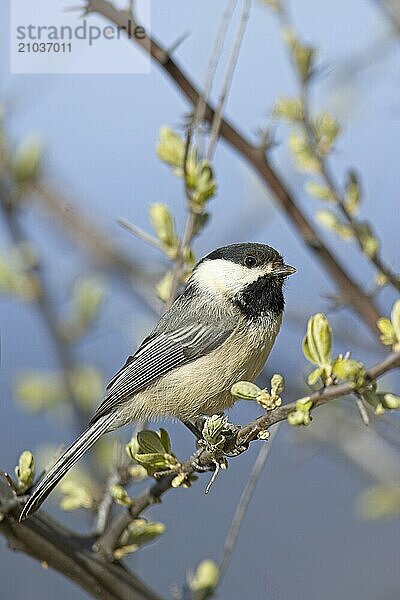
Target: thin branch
190,223
244,502
256,157
216,122
250,432
139,233
213,63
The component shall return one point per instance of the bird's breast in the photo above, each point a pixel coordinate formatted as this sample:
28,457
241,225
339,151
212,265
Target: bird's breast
203,386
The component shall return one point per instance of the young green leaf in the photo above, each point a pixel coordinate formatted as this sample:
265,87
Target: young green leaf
245,390
317,343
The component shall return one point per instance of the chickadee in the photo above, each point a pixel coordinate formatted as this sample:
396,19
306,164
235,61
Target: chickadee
219,331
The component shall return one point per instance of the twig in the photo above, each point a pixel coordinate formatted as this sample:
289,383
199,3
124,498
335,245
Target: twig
326,174
216,122
244,502
139,233
106,502
213,63
256,157
362,410
188,232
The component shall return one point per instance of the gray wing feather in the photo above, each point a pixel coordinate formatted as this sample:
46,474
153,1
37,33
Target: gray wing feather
160,353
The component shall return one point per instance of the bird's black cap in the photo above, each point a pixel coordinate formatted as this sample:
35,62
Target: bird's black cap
238,253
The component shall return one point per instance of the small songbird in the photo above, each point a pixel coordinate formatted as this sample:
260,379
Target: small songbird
219,331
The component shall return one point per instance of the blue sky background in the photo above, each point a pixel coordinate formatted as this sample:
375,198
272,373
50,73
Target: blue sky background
302,536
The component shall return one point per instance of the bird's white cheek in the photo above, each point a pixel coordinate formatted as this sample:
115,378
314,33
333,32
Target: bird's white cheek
222,277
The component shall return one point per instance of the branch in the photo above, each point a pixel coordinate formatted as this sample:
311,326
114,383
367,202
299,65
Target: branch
85,232
107,542
325,171
392,12
43,302
257,158
46,541
250,432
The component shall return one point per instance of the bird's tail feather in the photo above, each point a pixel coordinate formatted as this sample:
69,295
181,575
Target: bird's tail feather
64,464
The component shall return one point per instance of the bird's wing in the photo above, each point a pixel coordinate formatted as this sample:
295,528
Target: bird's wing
159,354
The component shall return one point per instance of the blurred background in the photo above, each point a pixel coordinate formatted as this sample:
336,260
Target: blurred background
311,530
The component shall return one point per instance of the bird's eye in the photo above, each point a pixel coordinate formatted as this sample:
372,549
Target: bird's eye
250,261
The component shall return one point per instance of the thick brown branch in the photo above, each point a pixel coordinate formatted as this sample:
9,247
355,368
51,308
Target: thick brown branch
55,547
257,158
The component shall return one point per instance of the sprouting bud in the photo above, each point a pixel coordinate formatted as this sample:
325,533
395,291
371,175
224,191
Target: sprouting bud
319,191
395,317
138,533
120,495
212,430
164,227
326,130
353,194
26,161
317,343
391,401
164,286
301,416
390,328
74,496
369,243
350,370
303,153
25,470
154,451
202,184
290,109
277,384
170,147
205,580
303,55
329,220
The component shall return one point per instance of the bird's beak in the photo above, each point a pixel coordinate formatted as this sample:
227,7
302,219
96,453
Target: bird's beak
283,271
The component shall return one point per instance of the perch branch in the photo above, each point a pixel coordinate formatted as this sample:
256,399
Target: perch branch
107,543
